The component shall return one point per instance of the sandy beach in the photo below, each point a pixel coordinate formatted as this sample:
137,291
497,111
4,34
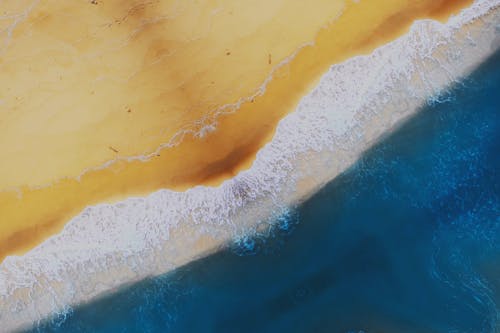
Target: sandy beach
191,113
331,126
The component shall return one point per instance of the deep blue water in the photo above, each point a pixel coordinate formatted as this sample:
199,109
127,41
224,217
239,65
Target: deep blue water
407,240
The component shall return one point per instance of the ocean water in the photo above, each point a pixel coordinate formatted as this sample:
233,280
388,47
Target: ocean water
406,240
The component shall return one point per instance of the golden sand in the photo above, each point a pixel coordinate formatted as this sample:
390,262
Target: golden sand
81,84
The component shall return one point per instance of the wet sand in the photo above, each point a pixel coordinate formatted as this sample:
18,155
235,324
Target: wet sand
127,113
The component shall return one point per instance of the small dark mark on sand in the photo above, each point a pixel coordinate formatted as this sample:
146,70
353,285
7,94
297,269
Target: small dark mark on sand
113,149
228,53
94,2
269,59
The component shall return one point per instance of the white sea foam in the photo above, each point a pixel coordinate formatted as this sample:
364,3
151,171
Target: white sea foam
110,244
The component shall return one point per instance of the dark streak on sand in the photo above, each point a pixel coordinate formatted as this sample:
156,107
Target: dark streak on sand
113,149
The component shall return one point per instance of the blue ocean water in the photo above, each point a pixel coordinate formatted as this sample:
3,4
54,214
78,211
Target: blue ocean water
407,240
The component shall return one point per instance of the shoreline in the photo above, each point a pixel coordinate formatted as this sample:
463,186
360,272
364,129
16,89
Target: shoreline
198,159
324,144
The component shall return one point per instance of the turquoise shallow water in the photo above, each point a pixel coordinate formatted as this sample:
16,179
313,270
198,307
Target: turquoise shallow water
407,240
